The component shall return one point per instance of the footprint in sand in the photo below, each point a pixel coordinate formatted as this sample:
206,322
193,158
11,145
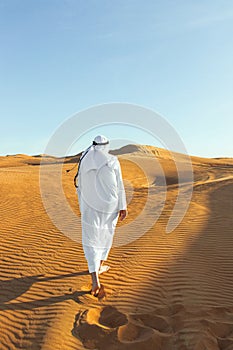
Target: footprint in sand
107,328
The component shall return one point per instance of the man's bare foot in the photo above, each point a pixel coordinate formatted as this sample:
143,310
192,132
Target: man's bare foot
95,289
103,268
95,283
98,292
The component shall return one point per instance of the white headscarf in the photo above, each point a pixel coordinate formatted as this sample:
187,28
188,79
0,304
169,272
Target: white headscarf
98,188
102,143
96,155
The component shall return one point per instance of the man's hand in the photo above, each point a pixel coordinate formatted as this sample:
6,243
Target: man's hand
122,214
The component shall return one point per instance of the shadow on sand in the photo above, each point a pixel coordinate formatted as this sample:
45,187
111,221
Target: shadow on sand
12,288
194,296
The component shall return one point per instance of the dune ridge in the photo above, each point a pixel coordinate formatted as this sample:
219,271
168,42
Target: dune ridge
164,291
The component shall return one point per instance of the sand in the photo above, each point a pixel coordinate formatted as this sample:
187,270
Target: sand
163,291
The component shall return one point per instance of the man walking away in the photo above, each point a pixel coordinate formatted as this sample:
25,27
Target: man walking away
102,201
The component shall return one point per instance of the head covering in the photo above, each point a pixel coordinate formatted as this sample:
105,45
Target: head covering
96,155
101,143
100,139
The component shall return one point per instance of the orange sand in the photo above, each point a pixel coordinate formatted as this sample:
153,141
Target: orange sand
164,291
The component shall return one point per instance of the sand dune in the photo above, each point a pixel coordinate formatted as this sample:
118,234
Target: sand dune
164,291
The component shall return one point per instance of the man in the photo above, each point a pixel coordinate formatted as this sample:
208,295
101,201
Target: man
101,200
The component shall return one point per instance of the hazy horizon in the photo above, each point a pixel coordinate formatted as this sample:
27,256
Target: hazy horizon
111,150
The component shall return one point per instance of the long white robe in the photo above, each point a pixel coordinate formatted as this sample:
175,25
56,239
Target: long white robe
101,196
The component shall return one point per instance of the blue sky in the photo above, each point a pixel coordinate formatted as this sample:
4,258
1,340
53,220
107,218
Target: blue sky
62,56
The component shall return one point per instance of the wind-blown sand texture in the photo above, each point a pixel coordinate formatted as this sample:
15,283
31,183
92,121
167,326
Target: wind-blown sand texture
163,291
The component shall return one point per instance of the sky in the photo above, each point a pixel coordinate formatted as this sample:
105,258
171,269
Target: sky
59,57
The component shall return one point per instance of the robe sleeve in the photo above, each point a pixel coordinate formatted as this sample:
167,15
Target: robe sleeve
122,204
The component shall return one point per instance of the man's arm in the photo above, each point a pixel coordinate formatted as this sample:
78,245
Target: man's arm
121,194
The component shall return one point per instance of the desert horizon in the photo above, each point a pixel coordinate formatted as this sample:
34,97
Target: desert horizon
152,82
128,148
164,290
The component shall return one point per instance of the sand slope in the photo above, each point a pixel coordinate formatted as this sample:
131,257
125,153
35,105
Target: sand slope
164,291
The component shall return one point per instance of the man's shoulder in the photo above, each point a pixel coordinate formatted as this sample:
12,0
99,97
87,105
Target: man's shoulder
113,161
111,156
